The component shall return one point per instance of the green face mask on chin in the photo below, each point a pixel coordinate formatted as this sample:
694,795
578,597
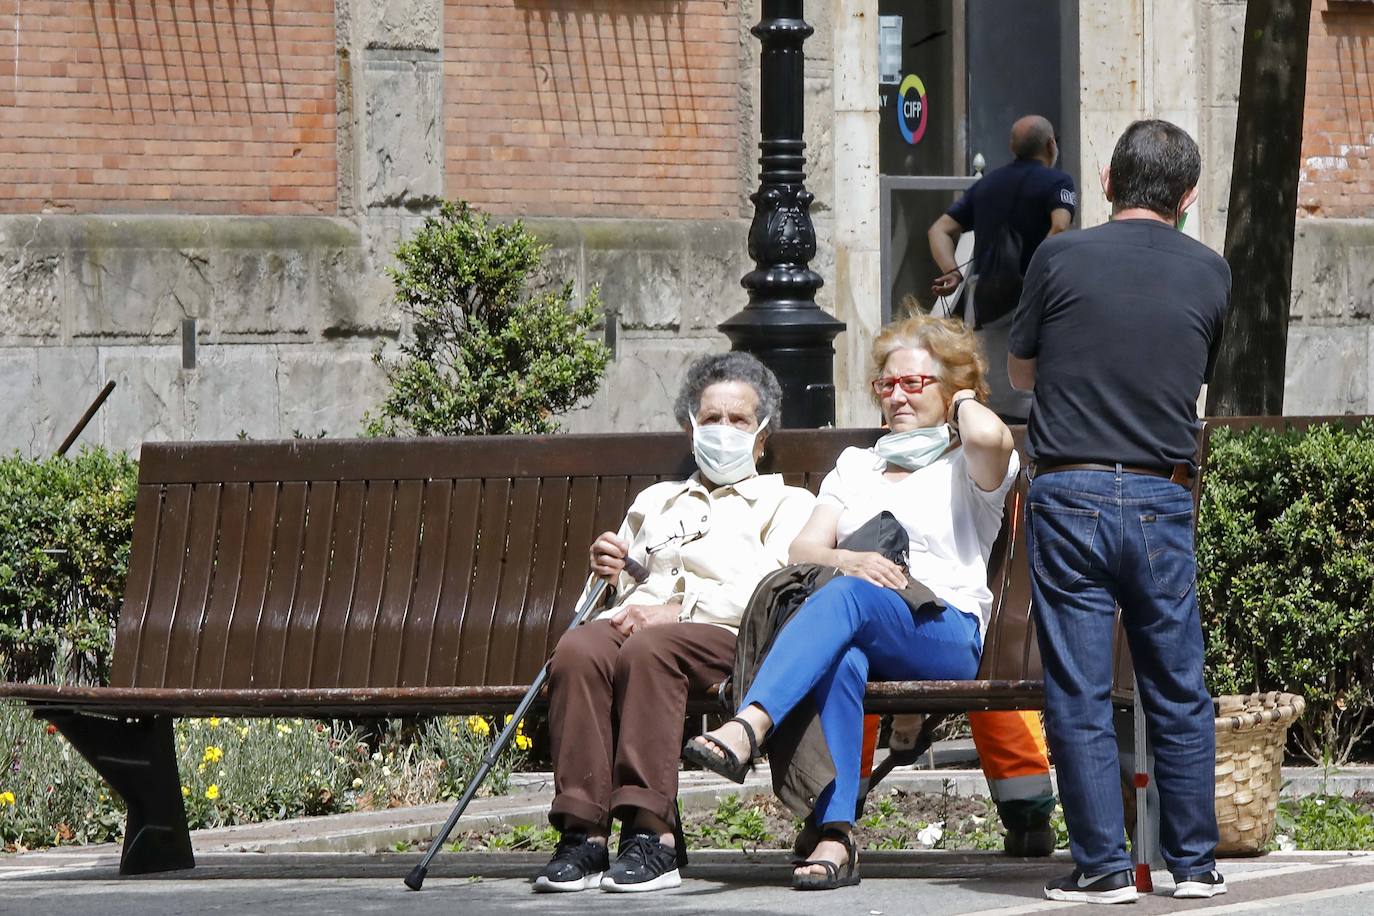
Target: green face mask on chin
915,448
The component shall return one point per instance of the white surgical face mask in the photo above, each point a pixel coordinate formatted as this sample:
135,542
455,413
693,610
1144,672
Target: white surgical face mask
915,448
724,454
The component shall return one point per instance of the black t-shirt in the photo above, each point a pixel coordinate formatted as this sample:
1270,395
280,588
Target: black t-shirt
1023,193
1124,321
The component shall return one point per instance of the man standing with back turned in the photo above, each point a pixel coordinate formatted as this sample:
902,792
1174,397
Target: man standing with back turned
1117,330
1011,210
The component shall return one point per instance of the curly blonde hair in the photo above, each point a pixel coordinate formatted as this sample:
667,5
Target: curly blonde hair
950,343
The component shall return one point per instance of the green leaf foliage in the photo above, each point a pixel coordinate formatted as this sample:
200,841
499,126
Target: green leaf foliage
490,353
65,528
1286,575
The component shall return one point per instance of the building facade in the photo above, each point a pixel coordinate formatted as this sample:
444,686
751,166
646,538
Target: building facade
200,199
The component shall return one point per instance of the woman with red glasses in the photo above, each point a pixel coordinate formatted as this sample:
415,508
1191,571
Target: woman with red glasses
943,471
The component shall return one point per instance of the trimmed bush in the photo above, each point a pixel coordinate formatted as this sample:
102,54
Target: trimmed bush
1286,575
489,353
65,528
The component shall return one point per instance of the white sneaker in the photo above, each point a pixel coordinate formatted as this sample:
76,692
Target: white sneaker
1199,887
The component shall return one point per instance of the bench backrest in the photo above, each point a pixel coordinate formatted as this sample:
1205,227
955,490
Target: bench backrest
414,563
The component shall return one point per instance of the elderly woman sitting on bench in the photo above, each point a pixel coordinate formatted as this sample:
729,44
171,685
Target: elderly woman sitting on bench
619,685
943,471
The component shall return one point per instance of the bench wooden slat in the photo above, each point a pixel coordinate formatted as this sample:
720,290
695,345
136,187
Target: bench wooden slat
521,533
184,638
283,577
417,635
138,586
459,564
398,583
583,494
550,538
880,696
155,635
475,640
359,629
169,560
338,591
214,623
258,555
298,646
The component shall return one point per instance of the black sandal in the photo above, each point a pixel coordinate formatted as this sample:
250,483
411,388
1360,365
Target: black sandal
726,763
835,876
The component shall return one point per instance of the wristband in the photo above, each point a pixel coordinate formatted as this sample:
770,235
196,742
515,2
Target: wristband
954,411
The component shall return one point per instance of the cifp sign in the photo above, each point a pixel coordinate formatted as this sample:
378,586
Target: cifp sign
912,110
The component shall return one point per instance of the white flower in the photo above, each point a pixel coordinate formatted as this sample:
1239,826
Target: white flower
386,771
377,757
1286,843
357,782
930,834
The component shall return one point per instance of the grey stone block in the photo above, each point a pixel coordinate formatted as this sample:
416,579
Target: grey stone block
1328,370
132,293
400,24
261,293
1225,27
46,391
327,388
354,301
401,132
30,295
716,260
640,386
644,287
233,389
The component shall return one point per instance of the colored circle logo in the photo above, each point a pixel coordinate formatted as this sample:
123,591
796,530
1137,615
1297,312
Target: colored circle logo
912,109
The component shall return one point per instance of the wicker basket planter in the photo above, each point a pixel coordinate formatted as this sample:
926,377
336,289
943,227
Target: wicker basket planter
1251,732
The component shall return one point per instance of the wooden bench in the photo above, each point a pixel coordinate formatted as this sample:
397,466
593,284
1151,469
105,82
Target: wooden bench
348,578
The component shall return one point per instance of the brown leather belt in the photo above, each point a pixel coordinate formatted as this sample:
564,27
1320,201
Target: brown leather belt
1181,474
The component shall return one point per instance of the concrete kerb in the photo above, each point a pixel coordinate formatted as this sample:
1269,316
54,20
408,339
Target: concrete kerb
368,832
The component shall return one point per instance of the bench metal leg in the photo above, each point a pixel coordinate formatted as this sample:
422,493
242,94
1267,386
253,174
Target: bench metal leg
137,757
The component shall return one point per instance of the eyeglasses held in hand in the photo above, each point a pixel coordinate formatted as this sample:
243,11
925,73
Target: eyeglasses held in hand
911,384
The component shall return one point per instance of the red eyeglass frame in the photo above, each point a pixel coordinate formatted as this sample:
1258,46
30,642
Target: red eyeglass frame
911,384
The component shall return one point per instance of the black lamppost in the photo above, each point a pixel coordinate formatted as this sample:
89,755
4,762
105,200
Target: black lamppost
782,325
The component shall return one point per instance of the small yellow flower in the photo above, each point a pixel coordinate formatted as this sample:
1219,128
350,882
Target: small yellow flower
478,726
523,743
185,791
214,721
243,731
213,754
284,729
6,798
212,793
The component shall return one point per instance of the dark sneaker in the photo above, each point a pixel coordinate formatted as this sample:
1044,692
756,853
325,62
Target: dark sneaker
1198,887
1113,887
643,864
577,865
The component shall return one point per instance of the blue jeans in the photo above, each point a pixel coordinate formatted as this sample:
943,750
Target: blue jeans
1100,539
846,631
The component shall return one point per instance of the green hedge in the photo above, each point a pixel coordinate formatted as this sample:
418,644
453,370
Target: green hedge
65,528
1286,575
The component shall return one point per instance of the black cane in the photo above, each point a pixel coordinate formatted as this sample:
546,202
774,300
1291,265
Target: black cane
416,879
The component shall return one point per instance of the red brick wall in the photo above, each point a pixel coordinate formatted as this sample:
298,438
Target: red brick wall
1338,123
593,107
179,106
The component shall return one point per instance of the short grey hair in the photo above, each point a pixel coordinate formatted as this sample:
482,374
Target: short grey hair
730,367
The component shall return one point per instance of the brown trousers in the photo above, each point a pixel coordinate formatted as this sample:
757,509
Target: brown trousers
616,710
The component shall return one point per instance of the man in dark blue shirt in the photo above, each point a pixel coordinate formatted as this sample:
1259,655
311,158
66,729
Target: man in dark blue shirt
1117,330
1032,199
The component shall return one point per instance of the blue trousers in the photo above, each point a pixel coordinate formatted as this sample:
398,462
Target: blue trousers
848,630
1099,539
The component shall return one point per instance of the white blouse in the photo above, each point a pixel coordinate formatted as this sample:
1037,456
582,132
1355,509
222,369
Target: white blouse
951,521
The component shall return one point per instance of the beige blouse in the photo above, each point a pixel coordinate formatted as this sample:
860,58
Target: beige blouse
709,547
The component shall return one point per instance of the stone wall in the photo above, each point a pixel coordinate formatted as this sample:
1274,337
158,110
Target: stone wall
1331,328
